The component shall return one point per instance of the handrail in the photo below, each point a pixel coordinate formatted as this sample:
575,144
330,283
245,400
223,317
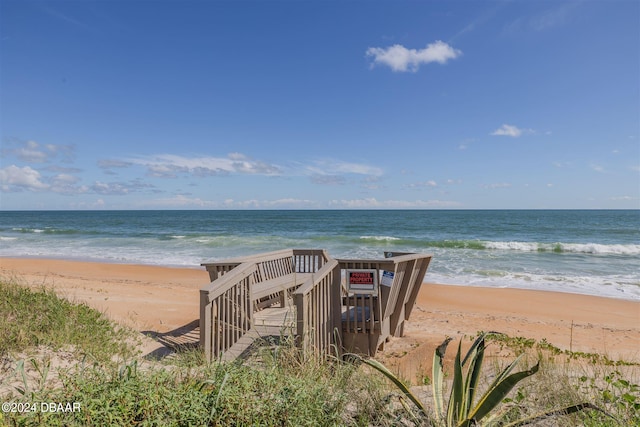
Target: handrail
370,320
252,258
309,260
318,308
215,288
381,263
226,310
227,304
384,262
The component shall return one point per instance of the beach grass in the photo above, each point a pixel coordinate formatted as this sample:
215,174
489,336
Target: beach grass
30,318
276,388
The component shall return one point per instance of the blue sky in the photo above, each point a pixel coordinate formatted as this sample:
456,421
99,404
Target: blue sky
319,104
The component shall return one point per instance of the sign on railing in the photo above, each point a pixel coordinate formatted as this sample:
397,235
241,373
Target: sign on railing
362,281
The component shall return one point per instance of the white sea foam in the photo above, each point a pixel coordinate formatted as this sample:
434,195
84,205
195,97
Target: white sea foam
608,267
380,238
618,287
585,248
595,248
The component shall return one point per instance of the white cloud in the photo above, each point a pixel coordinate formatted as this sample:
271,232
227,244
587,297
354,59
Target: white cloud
30,152
121,188
110,164
561,165
337,167
371,182
422,184
399,58
66,184
14,178
170,165
324,171
466,143
290,203
65,179
34,152
109,188
357,168
373,203
510,130
178,201
623,198
597,168
183,201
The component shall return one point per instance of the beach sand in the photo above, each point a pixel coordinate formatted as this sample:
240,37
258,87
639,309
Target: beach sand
160,300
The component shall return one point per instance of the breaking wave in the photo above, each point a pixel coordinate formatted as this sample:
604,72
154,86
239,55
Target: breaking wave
581,248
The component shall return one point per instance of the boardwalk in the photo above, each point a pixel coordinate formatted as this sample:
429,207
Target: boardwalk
271,325
326,304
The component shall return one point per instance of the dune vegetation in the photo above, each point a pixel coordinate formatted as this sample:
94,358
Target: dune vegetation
105,381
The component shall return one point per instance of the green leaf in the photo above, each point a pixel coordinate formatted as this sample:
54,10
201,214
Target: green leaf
476,357
564,411
387,373
456,400
438,377
494,395
505,372
479,342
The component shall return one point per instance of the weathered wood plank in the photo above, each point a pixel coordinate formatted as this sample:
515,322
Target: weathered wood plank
230,305
271,323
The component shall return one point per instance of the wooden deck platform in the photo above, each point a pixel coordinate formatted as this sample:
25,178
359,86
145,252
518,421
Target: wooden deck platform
271,325
328,305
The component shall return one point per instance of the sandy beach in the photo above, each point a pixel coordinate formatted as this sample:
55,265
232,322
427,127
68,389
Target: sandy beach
160,299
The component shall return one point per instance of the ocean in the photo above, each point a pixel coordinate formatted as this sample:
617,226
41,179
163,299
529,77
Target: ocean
594,252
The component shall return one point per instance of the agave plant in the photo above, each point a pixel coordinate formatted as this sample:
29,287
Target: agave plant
462,410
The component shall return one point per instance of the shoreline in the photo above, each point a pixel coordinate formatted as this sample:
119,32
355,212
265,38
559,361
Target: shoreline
198,268
162,299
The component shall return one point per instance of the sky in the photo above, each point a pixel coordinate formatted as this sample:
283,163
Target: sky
164,104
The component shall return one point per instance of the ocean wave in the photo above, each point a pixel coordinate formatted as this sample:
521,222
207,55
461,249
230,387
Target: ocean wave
456,244
418,244
27,230
620,286
558,247
379,238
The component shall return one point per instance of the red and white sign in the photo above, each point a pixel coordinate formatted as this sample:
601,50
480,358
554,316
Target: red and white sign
362,281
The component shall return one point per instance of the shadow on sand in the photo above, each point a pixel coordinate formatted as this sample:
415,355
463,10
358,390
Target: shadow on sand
184,337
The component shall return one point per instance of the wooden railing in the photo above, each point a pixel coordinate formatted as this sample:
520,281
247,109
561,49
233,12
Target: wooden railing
309,260
227,304
369,320
328,318
318,307
417,264
226,310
